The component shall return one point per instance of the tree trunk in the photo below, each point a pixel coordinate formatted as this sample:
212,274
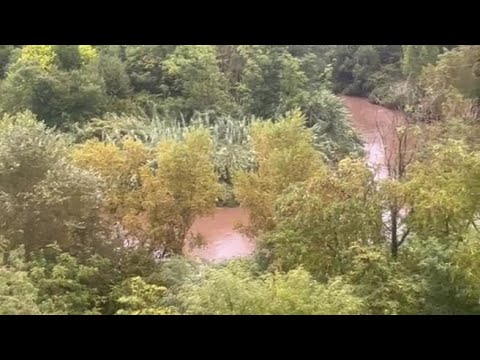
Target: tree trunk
394,235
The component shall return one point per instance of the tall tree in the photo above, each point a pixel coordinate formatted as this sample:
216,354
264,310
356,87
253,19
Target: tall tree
271,77
157,198
5,52
318,221
144,65
18,294
415,57
44,198
58,97
284,154
197,78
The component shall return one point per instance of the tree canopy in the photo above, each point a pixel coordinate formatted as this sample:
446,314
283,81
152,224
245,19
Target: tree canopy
110,154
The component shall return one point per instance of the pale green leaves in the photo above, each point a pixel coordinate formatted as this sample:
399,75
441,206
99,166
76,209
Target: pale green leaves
236,290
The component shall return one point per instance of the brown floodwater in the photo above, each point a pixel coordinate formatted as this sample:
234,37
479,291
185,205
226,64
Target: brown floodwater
222,241
376,125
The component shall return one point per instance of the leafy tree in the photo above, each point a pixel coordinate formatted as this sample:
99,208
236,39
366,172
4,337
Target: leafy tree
175,271
41,55
455,70
85,94
327,115
361,70
284,155
136,297
113,71
367,61
44,198
386,285
66,286
102,230
231,64
343,62
5,52
183,187
230,137
120,166
68,57
415,57
445,88
55,96
443,191
135,273
402,146
145,67
18,294
87,53
235,290
157,198
317,70
466,269
389,54
271,77
319,220
447,273
197,78
141,279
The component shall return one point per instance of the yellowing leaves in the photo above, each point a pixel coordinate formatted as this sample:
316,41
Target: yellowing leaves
318,220
157,194
444,190
183,186
42,55
87,53
101,157
284,154
141,298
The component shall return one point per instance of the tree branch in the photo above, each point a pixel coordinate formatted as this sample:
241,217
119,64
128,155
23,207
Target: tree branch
474,225
404,236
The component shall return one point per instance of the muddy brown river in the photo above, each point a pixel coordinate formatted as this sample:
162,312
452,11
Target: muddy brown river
223,242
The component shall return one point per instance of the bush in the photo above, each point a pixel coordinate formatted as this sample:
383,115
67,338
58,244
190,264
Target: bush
44,198
234,289
56,97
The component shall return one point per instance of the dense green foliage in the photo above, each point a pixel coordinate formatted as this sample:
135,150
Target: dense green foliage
108,155
235,289
44,198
